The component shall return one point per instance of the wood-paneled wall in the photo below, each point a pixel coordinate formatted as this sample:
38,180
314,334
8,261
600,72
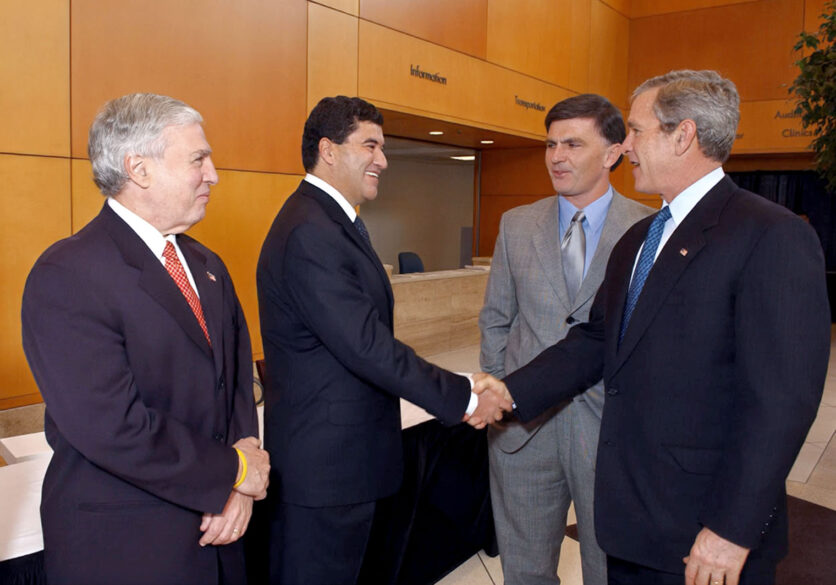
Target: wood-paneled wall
254,68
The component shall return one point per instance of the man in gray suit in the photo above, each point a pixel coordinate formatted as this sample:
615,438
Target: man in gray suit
549,260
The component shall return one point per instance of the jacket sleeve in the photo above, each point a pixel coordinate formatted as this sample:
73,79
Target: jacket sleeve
782,346
325,288
499,310
563,370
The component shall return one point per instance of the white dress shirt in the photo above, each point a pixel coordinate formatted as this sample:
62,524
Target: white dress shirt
682,205
151,236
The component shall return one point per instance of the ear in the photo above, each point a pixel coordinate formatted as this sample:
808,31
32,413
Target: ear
326,150
685,136
611,155
138,170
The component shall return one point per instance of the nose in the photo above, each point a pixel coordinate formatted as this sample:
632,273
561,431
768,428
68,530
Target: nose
558,153
380,160
627,145
210,175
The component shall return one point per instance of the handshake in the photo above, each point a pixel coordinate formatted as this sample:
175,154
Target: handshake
494,401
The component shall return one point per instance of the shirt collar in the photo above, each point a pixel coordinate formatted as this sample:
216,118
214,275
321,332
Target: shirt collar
147,233
335,195
683,203
595,213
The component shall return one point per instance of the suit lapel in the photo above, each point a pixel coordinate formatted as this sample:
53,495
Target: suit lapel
153,278
547,246
210,290
610,234
336,213
684,245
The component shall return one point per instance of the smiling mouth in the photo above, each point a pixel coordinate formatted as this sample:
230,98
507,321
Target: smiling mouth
373,174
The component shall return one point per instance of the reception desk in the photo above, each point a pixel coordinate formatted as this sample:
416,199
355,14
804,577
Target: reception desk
437,312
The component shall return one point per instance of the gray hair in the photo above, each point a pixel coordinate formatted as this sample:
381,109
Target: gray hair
132,124
705,97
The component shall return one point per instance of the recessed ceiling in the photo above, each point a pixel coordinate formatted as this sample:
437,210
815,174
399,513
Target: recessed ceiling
419,128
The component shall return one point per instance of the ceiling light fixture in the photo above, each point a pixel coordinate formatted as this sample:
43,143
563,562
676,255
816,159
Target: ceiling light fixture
465,157
436,133
486,141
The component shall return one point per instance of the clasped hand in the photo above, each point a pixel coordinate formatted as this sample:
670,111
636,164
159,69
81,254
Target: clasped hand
258,468
494,400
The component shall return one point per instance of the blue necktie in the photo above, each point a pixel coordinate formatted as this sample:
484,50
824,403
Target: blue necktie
643,266
361,227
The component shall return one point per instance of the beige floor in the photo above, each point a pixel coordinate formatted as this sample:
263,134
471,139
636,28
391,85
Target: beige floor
813,477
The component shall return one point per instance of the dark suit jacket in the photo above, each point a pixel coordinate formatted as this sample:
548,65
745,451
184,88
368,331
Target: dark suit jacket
715,384
334,369
140,411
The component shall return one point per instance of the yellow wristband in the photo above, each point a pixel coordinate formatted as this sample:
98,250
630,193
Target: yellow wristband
243,461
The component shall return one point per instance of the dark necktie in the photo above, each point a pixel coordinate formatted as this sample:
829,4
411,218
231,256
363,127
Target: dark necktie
178,274
643,266
361,227
573,255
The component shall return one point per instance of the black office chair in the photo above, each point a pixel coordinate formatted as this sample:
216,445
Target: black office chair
409,262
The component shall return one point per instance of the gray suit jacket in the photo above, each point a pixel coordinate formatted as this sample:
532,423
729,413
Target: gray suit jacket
527,307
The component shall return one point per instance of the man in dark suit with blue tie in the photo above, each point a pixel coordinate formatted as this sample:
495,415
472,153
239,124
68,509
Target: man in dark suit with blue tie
139,346
712,332
335,372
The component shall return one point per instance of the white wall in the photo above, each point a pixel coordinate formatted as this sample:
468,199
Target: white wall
421,207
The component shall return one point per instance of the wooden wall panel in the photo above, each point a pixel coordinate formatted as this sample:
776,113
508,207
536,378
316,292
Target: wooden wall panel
476,93
491,208
240,63
548,39
240,213
609,54
459,25
35,77
87,200
770,126
509,178
348,6
35,207
642,8
332,54
624,7
730,39
515,171
813,10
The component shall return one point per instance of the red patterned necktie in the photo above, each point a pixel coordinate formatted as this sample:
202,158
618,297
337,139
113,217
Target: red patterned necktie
175,269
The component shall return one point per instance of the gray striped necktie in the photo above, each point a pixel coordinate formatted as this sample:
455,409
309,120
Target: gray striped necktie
573,255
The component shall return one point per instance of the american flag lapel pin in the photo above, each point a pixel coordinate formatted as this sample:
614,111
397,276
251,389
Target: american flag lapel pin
211,276
683,251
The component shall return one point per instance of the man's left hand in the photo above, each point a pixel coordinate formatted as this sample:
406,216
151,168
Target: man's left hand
229,525
714,560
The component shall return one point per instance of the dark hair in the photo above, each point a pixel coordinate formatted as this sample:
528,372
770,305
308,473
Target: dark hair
607,117
334,118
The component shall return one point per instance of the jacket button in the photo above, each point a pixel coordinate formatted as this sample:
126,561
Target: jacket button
218,437
612,391
570,319
221,384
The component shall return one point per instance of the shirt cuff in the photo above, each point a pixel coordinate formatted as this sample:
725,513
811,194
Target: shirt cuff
474,398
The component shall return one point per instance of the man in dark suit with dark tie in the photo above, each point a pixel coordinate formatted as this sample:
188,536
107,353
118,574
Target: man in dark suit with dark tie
712,332
335,372
139,346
